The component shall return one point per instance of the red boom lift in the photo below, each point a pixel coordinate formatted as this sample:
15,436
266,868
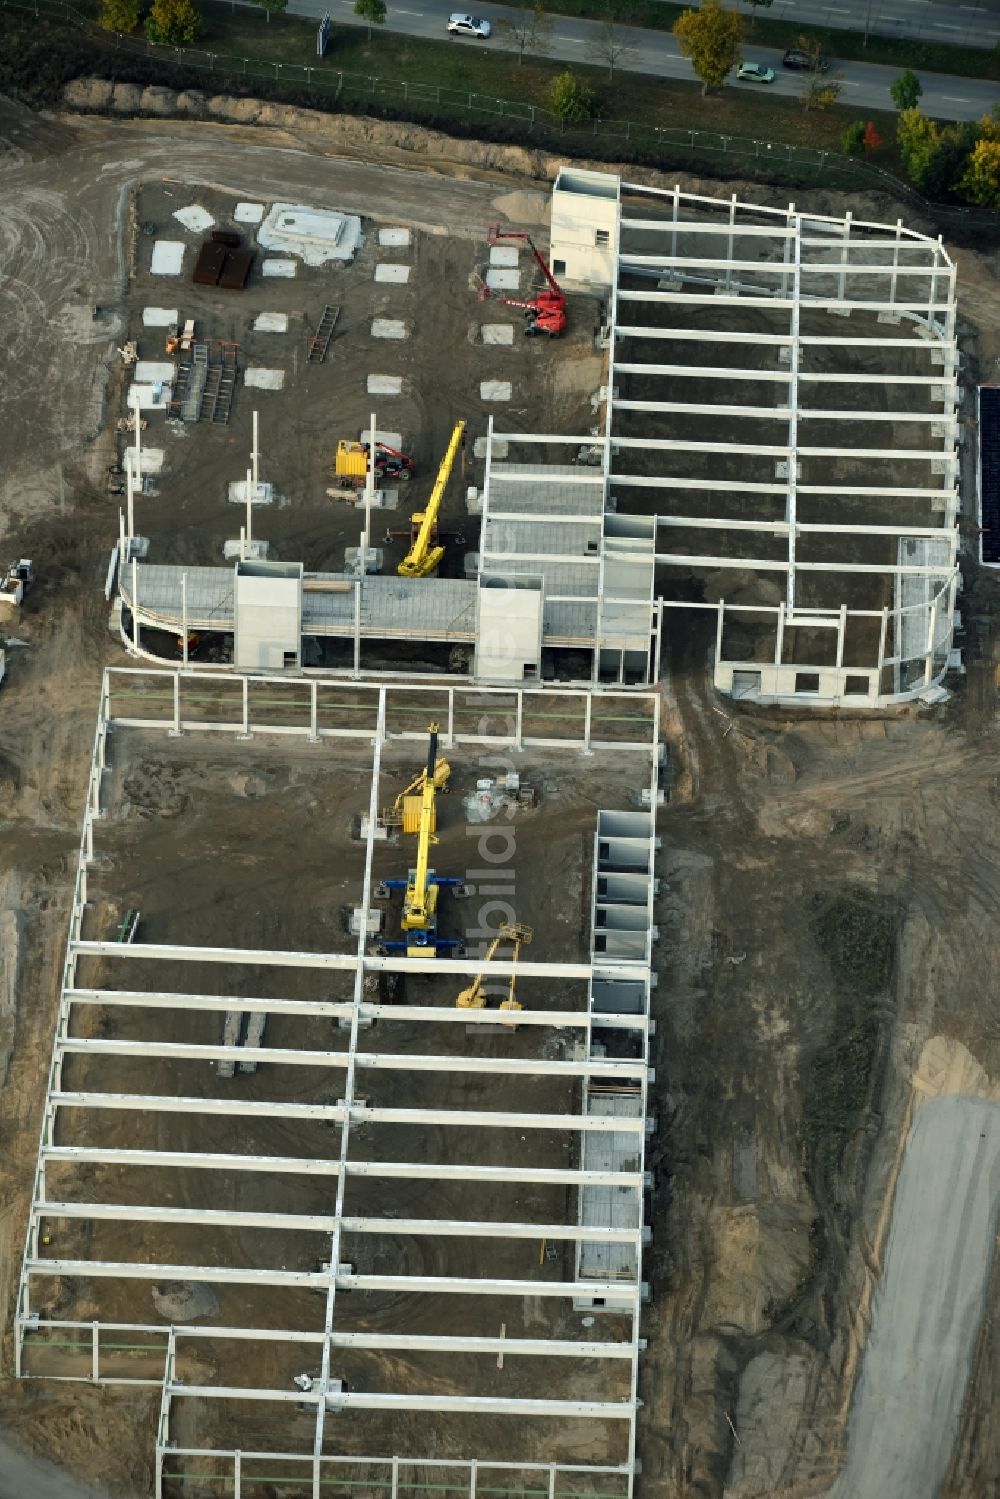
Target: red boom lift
546,311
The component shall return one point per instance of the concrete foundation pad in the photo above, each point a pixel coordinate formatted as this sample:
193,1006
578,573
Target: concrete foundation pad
499,448
391,439
394,237
500,280
160,317
263,496
150,461
504,255
495,390
167,257
498,333
148,397
248,213
149,371
195,218
385,385
352,560
271,322
387,327
395,273
261,379
286,268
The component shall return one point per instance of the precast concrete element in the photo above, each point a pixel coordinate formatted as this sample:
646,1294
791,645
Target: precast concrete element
271,322
385,385
256,378
398,274
393,238
495,390
167,257
317,235
499,279
386,327
248,213
278,267
500,334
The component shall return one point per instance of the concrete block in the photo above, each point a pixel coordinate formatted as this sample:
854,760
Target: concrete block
498,333
398,274
504,255
160,317
278,267
500,446
261,379
167,258
394,238
391,439
385,385
256,551
238,493
194,217
271,322
495,390
502,280
248,213
388,327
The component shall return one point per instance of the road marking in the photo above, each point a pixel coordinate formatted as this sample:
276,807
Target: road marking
945,26
950,99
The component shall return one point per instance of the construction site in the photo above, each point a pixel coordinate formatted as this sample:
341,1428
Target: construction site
514,1018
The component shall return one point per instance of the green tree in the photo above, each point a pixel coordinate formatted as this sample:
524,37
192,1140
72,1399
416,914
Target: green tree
853,139
934,155
119,15
172,23
570,100
711,38
906,90
529,28
373,11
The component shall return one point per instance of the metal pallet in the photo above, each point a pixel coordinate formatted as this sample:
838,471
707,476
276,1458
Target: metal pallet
320,340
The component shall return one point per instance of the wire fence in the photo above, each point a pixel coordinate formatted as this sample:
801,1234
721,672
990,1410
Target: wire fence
629,140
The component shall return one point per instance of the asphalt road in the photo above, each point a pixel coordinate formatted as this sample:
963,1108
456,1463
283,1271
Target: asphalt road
963,23
927,1311
866,86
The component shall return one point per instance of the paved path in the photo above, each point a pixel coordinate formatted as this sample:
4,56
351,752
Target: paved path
927,1311
866,85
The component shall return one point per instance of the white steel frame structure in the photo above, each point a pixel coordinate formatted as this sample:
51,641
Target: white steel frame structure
849,505
611,983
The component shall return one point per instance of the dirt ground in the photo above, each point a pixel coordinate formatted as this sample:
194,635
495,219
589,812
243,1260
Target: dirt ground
829,896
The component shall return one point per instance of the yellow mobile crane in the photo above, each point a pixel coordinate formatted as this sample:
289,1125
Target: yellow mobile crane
425,554
474,998
405,810
422,885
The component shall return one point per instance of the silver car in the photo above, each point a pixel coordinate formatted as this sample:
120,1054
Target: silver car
462,25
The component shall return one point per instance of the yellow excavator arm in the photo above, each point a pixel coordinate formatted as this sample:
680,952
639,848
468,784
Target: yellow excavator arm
422,559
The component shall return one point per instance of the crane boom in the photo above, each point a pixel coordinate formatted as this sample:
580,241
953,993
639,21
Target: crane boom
495,232
418,905
422,558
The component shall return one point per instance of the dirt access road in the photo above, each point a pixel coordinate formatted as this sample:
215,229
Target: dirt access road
830,899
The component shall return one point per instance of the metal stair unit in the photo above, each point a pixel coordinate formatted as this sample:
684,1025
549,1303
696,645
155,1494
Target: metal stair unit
320,340
227,386
193,386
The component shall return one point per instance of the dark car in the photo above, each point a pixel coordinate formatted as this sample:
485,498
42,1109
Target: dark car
795,57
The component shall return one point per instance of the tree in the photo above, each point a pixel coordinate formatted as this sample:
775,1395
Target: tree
853,138
980,181
529,29
756,5
373,11
570,100
172,23
906,90
611,47
711,38
935,156
820,90
119,15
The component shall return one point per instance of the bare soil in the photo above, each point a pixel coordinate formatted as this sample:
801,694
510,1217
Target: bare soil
830,885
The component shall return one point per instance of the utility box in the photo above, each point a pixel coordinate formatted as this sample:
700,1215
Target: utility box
268,634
